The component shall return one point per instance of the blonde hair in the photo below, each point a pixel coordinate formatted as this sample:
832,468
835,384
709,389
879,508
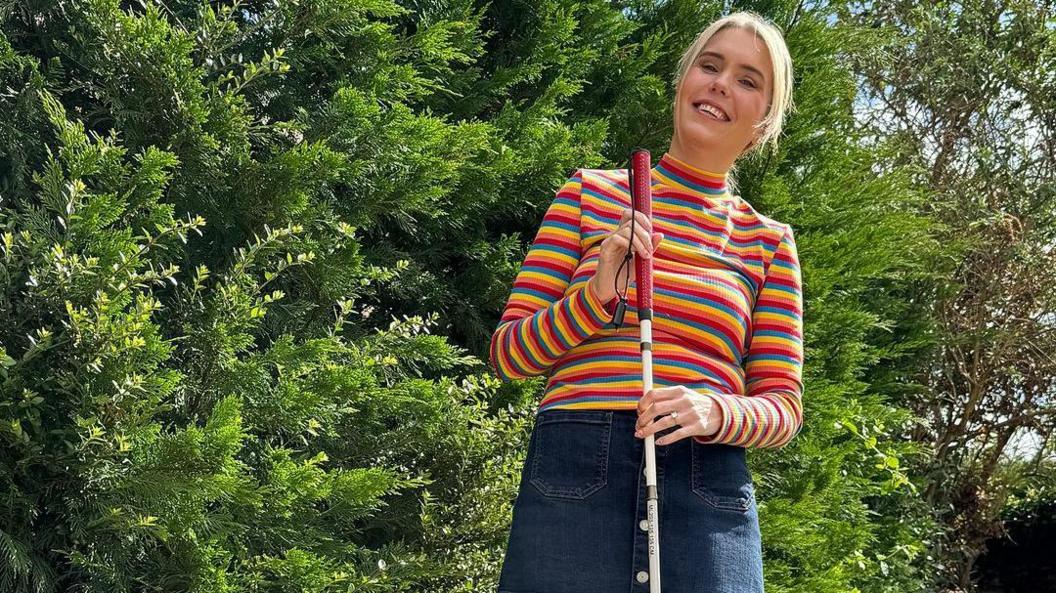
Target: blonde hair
781,100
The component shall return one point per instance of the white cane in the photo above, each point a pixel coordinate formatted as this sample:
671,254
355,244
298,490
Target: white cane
640,182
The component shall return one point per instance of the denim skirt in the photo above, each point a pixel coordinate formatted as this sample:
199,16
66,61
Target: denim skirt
579,521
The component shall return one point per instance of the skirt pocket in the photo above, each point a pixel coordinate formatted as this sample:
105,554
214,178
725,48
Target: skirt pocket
720,476
571,455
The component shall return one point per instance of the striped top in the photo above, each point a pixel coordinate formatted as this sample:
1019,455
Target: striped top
727,306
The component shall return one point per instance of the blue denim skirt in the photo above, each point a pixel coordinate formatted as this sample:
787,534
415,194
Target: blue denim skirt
579,521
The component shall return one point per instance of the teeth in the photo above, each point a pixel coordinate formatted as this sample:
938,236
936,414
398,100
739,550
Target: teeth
705,108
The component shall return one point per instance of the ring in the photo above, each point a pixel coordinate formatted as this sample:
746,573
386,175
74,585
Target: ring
674,416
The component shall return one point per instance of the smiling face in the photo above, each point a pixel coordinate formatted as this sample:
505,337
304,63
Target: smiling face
721,98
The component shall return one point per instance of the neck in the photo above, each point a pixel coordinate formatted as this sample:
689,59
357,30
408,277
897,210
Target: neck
704,160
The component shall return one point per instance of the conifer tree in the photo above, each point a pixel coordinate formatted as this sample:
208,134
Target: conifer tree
254,251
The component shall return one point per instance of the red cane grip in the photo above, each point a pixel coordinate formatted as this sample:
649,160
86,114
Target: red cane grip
641,182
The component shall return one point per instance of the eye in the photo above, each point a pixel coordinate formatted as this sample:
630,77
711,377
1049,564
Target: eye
748,82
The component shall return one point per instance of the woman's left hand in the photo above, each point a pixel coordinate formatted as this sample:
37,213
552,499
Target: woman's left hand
696,414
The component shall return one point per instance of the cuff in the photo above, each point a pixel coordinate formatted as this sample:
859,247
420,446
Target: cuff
587,311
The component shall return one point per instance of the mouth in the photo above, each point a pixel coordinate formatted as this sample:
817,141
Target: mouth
710,111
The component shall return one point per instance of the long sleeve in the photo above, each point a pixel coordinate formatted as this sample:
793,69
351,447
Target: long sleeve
540,322
771,412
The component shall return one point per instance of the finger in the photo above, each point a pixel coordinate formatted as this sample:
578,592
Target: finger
662,393
675,436
663,422
652,395
640,220
652,412
642,243
616,243
657,238
647,399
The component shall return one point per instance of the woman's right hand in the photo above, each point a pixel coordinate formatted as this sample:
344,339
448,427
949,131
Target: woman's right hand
613,250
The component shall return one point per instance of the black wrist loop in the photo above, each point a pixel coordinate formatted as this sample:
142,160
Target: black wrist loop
621,307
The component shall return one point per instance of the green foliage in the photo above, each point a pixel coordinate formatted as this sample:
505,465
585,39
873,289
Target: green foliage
253,253
196,401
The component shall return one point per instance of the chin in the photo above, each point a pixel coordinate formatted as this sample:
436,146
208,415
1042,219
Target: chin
699,139
701,136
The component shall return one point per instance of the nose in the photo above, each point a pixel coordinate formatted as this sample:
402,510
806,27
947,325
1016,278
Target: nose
718,81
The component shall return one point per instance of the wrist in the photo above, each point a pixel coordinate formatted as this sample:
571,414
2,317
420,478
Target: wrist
602,296
713,424
715,418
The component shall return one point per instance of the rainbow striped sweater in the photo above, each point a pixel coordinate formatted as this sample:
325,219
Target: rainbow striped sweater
727,306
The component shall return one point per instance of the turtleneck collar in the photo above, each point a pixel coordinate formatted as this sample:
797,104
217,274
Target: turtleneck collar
677,173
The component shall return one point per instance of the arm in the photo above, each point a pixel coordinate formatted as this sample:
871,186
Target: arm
540,323
771,413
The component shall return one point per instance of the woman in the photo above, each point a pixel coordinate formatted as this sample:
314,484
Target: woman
727,347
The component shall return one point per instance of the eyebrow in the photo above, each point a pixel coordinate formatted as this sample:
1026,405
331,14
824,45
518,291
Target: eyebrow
745,66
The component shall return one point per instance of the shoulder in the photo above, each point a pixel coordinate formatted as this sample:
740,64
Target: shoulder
604,191
585,178
766,226
613,178
773,238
